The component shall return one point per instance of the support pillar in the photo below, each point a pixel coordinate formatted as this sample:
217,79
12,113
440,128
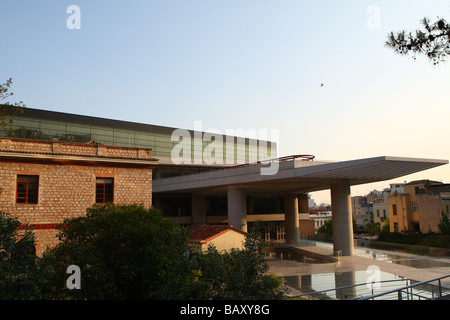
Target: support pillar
237,208
198,217
291,218
342,218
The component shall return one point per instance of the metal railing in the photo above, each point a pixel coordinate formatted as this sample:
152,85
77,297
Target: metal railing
425,290
304,157
412,290
345,292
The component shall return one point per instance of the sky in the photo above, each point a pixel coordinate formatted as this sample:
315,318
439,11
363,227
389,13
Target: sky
247,64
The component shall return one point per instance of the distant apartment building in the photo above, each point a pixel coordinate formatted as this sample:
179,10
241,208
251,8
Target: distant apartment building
419,207
396,188
381,207
361,210
358,204
319,217
374,206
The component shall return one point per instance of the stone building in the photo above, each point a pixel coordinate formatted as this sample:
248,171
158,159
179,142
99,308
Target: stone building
44,182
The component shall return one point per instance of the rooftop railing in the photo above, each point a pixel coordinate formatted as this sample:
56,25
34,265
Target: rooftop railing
304,157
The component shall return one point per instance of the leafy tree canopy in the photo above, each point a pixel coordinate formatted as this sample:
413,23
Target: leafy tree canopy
123,252
130,252
7,109
18,268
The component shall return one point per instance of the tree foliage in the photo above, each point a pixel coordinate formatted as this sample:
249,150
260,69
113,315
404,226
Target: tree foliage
129,252
18,260
240,274
326,228
433,41
124,252
7,109
385,227
444,225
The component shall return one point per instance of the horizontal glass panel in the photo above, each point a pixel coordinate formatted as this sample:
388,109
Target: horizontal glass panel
102,130
123,134
53,126
78,129
21,122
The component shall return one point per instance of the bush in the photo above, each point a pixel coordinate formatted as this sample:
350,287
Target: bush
444,225
129,252
238,274
419,239
123,252
18,260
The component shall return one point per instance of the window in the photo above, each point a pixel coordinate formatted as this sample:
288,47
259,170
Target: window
394,209
414,206
104,191
27,189
384,213
419,190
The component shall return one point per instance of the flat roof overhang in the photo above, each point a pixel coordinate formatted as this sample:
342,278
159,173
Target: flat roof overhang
296,176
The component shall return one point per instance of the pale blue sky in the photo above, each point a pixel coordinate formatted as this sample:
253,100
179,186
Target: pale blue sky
247,64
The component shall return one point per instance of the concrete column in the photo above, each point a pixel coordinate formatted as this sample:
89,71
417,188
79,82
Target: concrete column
291,219
198,217
237,208
342,218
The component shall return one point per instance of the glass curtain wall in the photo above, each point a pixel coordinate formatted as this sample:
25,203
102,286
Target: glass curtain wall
120,133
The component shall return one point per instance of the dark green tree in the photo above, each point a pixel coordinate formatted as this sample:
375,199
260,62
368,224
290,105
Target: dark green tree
18,260
129,252
326,229
444,225
385,227
373,228
433,41
240,274
123,252
7,109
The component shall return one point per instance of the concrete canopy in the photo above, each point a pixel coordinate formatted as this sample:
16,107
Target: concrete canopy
296,176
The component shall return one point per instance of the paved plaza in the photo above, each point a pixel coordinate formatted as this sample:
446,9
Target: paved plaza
356,269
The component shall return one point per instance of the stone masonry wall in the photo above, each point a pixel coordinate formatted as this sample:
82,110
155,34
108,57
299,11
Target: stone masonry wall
66,148
66,189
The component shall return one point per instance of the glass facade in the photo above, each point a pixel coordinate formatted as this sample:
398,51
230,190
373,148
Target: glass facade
48,125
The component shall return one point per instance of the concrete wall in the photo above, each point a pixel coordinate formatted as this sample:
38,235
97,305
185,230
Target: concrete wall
430,212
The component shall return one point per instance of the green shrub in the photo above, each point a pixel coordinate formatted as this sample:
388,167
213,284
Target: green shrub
18,260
